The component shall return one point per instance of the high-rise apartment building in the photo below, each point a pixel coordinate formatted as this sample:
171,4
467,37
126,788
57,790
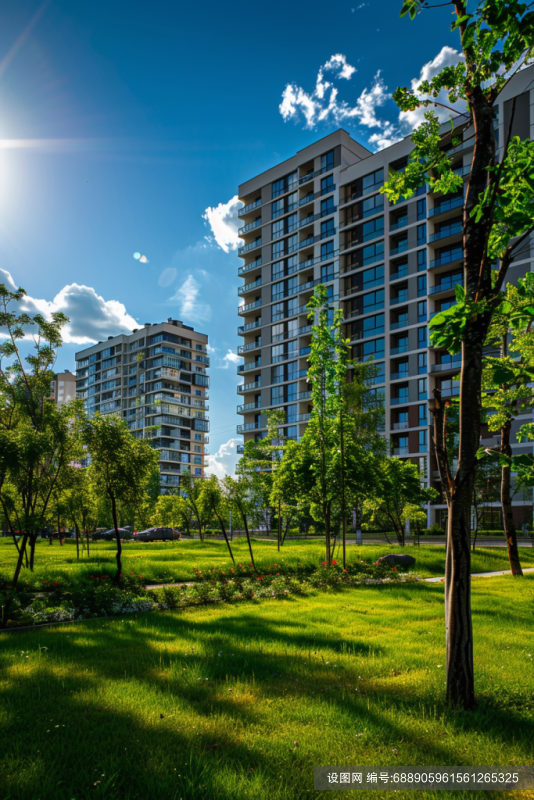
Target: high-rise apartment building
63,387
155,376
319,217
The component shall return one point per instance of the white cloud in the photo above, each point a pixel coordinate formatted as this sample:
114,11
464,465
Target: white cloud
324,105
230,358
187,298
446,57
224,461
92,318
224,224
167,276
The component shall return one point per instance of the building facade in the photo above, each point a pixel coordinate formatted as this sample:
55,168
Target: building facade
320,218
63,388
155,376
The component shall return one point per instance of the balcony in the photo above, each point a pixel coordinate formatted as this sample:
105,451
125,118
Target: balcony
249,306
304,351
250,246
305,200
400,323
249,367
249,227
448,258
398,247
303,417
446,205
249,327
451,366
401,273
249,387
248,426
249,207
304,330
248,287
398,376
248,407
453,391
304,396
399,401
400,223
401,451
400,426
248,267
446,286
446,232
402,297
396,351
246,348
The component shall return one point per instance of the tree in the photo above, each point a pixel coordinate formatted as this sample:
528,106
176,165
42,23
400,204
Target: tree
191,489
400,495
121,466
172,510
214,501
38,439
239,497
496,39
79,502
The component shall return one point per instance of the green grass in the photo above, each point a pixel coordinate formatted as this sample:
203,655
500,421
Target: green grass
143,705
169,562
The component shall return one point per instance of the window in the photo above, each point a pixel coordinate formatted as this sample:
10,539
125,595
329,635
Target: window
421,260
373,180
373,252
327,250
292,370
327,273
278,311
421,338
277,374
373,301
278,290
278,249
422,418
291,392
373,229
421,311
373,277
277,332
292,307
291,413
423,445
422,388
279,228
372,205
292,222
292,432
327,184
421,286
278,208
278,270
327,206
421,209
327,161
402,393
372,349
421,363
277,394
292,284
421,234
327,228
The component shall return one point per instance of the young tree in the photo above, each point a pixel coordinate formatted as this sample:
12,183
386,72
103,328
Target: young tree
172,510
400,495
496,39
38,439
214,501
121,466
239,496
191,489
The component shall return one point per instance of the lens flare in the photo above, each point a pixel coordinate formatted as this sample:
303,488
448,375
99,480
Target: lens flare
143,260
137,256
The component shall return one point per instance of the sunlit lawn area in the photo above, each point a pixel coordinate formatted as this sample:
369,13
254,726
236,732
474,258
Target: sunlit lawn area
167,562
209,702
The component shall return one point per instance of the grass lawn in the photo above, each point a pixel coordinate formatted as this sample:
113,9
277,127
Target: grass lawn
207,703
169,562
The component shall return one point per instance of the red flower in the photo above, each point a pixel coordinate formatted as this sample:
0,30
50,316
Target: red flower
120,575
270,573
56,583
394,569
131,573
323,563
334,562
251,564
140,576
45,581
98,579
252,593
278,573
213,582
345,570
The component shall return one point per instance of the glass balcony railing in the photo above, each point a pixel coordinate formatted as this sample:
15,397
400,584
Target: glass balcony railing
402,322
248,287
248,407
249,327
249,367
401,273
249,207
250,246
398,247
447,230
446,258
446,285
446,205
249,306
245,348
249,227
401,348
248,426
247,267
400,223
249,387
402,297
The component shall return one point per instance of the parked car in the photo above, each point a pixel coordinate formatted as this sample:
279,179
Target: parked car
108,536
157,534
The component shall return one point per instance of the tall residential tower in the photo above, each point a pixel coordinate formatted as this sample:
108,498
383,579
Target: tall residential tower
320,217
155,376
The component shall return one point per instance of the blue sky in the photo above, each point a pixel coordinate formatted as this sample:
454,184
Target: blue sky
121,123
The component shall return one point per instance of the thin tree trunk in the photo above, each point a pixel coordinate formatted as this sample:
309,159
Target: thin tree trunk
77,540
118,539
7,607
506,503
248,539
279,527
475,505
223,528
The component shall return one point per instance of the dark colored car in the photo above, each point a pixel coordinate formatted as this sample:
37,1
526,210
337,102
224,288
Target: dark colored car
109,536
157,535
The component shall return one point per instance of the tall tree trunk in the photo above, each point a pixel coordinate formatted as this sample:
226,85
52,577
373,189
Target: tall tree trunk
475,506
77,540
4,619
32,537
118,539
506,503
279,527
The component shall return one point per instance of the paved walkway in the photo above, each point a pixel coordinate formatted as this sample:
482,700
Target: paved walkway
481,575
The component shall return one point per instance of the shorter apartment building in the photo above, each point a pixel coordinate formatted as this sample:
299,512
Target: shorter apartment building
155,378
63,387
